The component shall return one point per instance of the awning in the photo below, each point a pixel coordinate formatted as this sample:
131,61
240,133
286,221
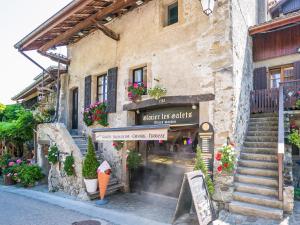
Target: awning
132,133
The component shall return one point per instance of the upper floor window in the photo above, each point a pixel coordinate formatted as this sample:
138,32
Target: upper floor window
102,88
281,74
139,75
172,13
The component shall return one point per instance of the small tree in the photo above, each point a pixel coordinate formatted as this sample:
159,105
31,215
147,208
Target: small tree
90,163
200,165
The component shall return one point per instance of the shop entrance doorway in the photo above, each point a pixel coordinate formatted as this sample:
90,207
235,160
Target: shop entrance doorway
165,162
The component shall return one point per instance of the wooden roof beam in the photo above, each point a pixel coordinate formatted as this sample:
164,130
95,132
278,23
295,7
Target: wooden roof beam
113,8
79,6
108,32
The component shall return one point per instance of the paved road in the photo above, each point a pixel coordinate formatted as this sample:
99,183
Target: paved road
19,210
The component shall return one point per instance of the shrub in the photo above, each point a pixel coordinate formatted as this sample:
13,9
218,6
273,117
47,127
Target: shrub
69,165
4,159
90,163
294,138
134,159
157,92
27,174
200,165
53,154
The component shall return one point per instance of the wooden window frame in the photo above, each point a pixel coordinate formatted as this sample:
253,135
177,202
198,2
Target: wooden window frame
280,68
168,9
104,87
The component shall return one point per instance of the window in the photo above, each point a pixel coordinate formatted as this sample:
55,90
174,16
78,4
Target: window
172,13
281,74
102,88
140,76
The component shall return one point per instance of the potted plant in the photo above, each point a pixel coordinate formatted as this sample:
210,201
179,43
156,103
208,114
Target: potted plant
157,92
96,113
53,154
69,165
226,158
118,145
134,160
136,90
89,168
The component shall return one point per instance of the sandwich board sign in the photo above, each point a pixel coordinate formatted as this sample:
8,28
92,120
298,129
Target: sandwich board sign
194,195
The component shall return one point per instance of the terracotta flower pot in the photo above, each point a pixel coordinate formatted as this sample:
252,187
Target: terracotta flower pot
8,180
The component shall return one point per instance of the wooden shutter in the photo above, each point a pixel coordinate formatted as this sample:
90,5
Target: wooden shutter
112,78
87,91
260,80
297,70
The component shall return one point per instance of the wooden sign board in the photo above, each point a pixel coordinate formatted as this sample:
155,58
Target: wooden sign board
206,143
194,195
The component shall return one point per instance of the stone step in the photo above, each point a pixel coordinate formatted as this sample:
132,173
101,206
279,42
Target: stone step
255,188
267,181
255,210
264,115
261,138
264,123
258,164
262,133
82,146
262,119
257,171
265,128
259,157
258,199
260,144
269,151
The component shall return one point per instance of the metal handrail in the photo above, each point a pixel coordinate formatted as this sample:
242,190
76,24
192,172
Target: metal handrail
280,147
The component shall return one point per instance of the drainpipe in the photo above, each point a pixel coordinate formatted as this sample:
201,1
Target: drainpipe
58,92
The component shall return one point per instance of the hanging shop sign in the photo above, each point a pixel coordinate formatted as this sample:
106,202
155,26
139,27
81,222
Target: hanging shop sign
172,115
132,134
194,193
206,142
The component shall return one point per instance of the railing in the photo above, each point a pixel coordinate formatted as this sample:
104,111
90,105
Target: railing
291,93
280,146
265,100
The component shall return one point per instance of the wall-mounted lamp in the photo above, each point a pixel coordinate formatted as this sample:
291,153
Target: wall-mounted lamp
208,6
194,107
298,50
137,111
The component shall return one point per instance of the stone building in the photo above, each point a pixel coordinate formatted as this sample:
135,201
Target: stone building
203,61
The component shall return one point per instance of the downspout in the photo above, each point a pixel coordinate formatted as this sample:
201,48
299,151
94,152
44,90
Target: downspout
58,92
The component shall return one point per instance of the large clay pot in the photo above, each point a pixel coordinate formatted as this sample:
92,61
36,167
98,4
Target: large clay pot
8,180
91,185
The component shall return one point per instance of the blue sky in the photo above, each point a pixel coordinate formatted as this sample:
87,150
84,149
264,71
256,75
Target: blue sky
17,19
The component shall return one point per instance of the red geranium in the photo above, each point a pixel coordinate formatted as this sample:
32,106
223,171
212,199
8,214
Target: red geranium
218,156
226,165
220,168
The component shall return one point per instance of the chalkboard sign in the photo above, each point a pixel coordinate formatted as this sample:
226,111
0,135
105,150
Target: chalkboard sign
194,195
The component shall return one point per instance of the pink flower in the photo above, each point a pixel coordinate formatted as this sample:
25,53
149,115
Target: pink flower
135,85
11,163
19,161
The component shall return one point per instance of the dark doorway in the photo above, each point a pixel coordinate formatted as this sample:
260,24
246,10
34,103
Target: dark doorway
75,109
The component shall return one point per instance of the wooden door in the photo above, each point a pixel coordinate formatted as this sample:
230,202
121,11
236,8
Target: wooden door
75,109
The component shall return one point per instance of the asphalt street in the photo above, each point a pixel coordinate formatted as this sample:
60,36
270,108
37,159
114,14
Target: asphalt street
20,210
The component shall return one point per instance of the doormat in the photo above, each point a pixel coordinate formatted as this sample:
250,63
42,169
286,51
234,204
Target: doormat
87,222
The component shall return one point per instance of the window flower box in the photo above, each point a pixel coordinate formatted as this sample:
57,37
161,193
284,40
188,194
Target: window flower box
96,113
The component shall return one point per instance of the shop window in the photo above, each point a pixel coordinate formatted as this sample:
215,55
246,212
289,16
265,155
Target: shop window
102,88
139,76
172,13
280,74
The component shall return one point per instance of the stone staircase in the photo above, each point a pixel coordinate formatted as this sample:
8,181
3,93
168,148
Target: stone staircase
256,181
114,185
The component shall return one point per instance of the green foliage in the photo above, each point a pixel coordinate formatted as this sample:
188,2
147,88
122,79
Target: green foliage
136,90
4,159
96,112
69,165
294,138
298,104
157,92
11,112
134,159
118,145
90,163
200,165
27,175
53,154
227,159
2,108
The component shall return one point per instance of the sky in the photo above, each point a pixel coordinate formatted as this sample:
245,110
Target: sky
17,19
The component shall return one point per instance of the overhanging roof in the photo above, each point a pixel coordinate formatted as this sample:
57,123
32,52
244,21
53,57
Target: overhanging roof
73,22
32,88
279,22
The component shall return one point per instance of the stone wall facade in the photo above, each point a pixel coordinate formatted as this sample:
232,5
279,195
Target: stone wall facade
198,55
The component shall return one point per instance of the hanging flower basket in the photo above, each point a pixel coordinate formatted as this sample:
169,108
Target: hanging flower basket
118,145
96,112
136,90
